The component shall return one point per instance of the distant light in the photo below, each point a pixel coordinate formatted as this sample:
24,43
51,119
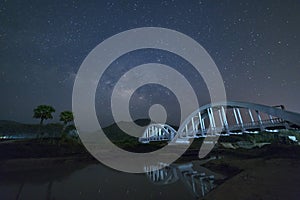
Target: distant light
293,138
251,132
272,131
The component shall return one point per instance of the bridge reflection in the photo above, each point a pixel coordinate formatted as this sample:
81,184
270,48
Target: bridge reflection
198,181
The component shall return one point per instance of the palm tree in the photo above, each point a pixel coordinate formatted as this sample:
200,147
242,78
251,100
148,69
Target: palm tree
66,117
43,112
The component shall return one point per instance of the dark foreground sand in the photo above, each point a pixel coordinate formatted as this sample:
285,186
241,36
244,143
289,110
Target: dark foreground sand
261,179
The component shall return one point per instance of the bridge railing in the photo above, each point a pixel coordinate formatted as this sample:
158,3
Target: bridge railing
274,121
224,128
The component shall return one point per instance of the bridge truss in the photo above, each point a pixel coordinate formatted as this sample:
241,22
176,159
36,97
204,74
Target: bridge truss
224,119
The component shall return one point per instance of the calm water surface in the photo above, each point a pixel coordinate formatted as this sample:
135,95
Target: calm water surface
95,181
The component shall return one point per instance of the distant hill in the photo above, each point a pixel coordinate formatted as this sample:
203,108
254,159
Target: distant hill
114,133
6,122
8,128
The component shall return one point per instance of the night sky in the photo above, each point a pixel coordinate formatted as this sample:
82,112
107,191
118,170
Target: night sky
255,44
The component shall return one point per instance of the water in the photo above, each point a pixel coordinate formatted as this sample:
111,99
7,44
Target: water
95,181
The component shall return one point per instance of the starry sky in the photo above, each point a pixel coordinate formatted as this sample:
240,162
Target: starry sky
255,44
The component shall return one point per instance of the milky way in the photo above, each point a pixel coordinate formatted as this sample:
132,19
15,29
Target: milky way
255,45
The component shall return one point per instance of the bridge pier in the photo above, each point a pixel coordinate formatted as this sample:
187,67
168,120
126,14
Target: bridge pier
235,116
238,118
262,128
287,126
225,119
211,120
271,118
201,122
251,117
194,128
241,119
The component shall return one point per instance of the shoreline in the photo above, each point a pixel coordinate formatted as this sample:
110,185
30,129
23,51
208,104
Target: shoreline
249,173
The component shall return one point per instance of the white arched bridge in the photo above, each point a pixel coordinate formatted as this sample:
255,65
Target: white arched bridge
224,119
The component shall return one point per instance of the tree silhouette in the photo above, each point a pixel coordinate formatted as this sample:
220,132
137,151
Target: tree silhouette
43,112
66,117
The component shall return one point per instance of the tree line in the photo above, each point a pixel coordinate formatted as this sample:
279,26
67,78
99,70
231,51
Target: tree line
44,112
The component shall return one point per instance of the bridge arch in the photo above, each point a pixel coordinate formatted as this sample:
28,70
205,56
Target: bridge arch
225,118
158,132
